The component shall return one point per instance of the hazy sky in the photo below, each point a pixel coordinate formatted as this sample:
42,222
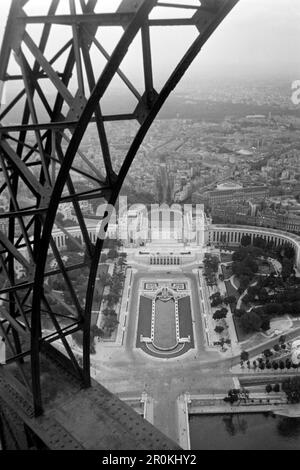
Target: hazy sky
259,37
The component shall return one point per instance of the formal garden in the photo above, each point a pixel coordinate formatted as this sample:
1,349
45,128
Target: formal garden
211,267
261,293
65,300
220,307
111,300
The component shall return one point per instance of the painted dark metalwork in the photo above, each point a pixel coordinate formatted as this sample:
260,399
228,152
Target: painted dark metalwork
43,166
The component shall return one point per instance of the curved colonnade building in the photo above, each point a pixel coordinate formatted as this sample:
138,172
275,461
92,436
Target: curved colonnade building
215,235
232,235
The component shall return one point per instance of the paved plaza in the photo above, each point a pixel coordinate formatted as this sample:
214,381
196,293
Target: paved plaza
165,327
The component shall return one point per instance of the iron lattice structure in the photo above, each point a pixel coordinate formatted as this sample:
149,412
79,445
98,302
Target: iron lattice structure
55,87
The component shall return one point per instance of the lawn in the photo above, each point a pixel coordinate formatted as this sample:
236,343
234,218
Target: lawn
236,282
241,334
185,319
165,325
227,271
145,316
231,291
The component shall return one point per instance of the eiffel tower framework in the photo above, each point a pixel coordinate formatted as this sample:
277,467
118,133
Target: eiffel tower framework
56,77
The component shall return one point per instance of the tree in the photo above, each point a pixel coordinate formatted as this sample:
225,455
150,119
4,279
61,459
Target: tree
265,326
246,240
60,218
291,387
250,322
276,388
276,347
289,252
220,314
122,261
244,356
267,353
238,313
211,263
105,278
96,332
214,296
216,301
219,329
228,400
287,268
269,388
288,364
239,255
233,395
244,282
253,293
111,299
259,242
263,295
229,300
110,323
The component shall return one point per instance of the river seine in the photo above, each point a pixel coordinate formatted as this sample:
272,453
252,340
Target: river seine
244,431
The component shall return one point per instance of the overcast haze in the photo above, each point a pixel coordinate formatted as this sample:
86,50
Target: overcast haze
258,38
